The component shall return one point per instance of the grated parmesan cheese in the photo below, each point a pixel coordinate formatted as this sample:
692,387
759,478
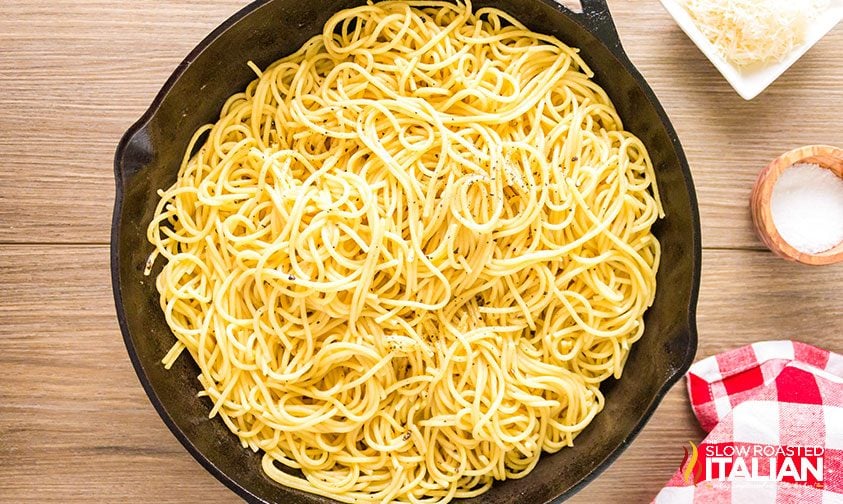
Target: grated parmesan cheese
746,32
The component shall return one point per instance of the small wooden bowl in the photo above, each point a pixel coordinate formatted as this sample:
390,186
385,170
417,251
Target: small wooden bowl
830,158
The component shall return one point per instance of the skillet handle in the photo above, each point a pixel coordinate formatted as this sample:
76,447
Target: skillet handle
133,153
596,17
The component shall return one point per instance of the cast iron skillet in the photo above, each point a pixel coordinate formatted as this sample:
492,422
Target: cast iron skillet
148,158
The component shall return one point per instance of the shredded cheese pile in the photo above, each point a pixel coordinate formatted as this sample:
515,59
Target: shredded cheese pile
747,32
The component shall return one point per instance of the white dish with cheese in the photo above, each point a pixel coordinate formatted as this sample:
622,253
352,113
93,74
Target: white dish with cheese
753,42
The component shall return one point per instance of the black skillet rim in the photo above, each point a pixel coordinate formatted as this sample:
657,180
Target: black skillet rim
595,19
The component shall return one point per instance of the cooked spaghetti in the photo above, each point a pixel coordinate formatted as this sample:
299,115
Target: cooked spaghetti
405,258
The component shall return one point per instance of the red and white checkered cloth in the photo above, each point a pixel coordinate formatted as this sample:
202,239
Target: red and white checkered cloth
774,405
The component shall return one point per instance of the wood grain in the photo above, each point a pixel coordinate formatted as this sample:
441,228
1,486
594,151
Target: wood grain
75,75
75,425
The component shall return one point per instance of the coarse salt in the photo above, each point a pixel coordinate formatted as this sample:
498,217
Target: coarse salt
807,208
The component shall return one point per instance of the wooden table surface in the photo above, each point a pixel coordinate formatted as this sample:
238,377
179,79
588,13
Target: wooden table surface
75,424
